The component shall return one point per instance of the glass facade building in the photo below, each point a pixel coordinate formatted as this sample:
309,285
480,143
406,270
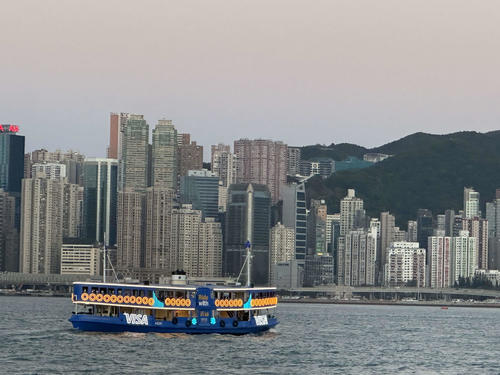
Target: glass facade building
248,218
201,189
100,200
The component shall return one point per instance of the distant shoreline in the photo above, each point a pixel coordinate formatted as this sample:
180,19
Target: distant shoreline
388,303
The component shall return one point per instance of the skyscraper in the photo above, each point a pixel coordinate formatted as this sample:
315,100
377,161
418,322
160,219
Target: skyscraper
294,216
464,260
316,227
248,218
441,252
478,228
190,157
412,231
44,211
133,165
100,177
164,155
117,122
387,222
424,228
201,189
224,163
281,246
357,258
262,162
11,159
294,158
471,203
349,205
196,245
9,236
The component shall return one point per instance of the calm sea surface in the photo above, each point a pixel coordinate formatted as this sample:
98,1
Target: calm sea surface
36,338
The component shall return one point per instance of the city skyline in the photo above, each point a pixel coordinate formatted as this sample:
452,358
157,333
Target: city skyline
364,74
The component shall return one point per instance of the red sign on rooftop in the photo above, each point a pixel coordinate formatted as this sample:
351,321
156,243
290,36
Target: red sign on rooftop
8,128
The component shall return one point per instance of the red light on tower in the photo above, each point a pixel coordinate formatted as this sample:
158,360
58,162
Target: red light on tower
13,128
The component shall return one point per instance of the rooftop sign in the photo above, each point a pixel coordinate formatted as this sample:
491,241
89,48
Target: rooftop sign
8,128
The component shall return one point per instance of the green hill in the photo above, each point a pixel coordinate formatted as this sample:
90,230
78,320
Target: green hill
426,171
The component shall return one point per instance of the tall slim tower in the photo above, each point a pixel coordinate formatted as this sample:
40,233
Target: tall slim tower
294,216
349,205
248,218
133,165
100,177
387,223
164,157
471,203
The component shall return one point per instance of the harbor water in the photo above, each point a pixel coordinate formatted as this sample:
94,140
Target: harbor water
311,339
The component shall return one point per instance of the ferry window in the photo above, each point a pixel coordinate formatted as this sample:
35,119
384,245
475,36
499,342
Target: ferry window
127,292
103,291
94,290
119,292
141,293
85,289
161,295
135,292
111,291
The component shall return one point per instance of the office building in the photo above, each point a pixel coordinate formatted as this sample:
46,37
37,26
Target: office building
425,228
262,162
288,275
294,216
318,270
248,218
117,122
200,188
412,231
100,182
323,167
405,265
9,236
316,227
387,223
81,259
11,159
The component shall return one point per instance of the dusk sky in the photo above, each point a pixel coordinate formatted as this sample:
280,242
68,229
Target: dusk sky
303,72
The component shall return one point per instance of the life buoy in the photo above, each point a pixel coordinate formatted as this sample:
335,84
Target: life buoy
217,303
177,302
85,296
98,298
253,302
119,299
167,301
138,300
222,323
174,320
132,299
126,299
235,323
188,302
240,303
113,299
231,303
106,298
183,302
151,302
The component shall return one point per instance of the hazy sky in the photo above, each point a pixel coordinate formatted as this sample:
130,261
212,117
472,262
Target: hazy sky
304,72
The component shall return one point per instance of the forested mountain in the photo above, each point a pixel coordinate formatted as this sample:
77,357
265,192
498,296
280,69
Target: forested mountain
426,171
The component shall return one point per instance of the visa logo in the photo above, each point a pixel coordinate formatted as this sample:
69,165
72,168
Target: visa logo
136,319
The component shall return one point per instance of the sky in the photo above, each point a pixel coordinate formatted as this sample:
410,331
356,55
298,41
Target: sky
303,72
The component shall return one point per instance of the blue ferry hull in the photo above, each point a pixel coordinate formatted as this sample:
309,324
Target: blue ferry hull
119,324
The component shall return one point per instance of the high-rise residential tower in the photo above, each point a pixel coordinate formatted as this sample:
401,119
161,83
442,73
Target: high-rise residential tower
387,223
133,164
349,206
164,155
263,162
281,246
294,158
441,252
471,203
190,156
405,265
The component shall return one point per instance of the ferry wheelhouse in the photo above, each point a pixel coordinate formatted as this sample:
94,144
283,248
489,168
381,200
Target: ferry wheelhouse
116,307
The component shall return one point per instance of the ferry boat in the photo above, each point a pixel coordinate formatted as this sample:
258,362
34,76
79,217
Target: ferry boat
119,307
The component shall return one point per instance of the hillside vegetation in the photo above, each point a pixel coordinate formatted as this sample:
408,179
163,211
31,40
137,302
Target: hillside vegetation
426,171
